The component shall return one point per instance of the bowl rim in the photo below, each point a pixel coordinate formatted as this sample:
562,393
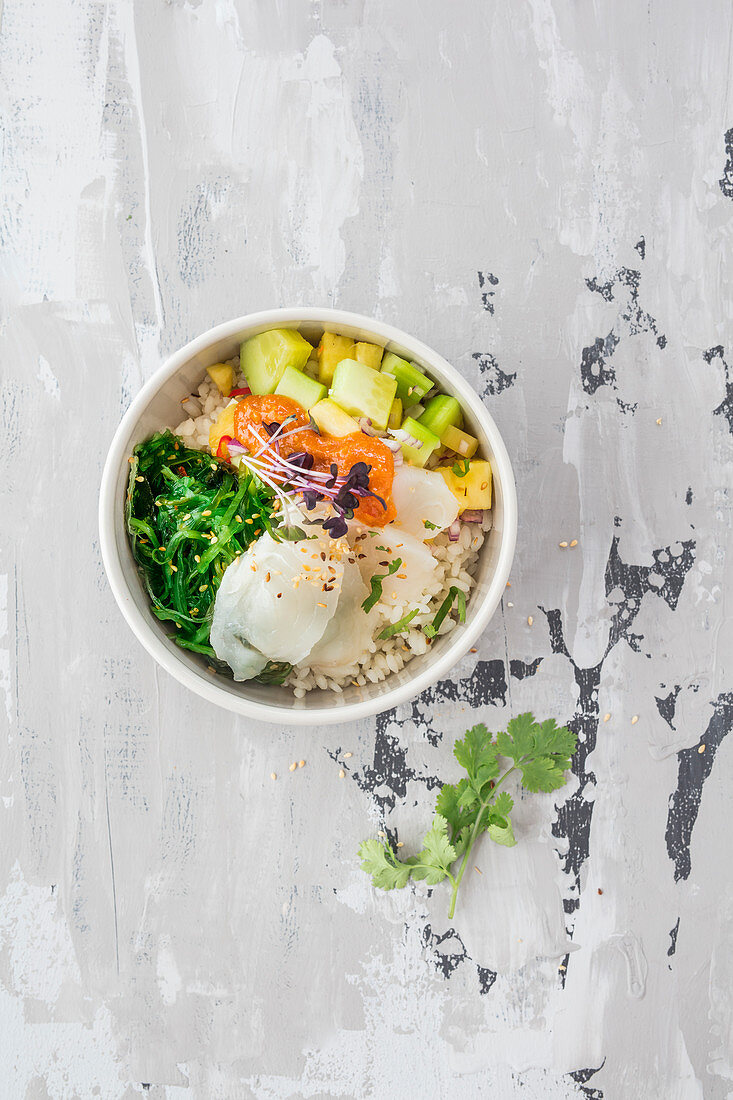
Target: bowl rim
117,456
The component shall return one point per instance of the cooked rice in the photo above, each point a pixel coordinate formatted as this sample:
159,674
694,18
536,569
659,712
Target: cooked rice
456,566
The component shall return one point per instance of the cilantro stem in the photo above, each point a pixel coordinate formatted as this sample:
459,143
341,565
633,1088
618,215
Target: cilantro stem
472,839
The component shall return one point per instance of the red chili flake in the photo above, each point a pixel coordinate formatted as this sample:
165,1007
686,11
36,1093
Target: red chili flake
243,391
599,890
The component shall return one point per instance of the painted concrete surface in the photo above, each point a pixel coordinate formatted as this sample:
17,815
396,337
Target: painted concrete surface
542,190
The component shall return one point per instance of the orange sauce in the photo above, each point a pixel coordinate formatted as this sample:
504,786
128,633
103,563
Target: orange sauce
254,411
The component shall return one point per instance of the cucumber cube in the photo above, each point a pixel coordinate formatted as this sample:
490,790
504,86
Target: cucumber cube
412,384
362,391
462,443
306,391
441,412
418,456
265,357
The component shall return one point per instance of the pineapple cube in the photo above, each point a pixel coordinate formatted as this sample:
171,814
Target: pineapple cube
223,425
474,489
222,375
369,354
330,418
331,350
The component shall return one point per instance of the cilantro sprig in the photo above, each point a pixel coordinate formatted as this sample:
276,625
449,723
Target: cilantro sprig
540,751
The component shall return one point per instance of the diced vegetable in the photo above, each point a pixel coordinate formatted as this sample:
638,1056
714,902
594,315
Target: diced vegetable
330,419
369,354
331,350
223,425
265,357
395,414
222,375
412,384
306,391
441,412
362,391
473,490
461,442
417,455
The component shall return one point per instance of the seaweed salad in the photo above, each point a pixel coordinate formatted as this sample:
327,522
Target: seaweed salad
189,515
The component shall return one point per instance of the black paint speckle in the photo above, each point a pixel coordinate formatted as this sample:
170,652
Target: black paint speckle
582,1076
694,766
726,183
495,380
486,279
673,938
725,408
666,705
688,495
520,670
596,368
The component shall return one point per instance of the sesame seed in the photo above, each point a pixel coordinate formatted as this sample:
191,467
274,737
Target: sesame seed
301,763
659,421
342,773
248,520
273,775
174,568
508,584
573,543
194,611
606,717
139,479
530,620
563,545
561,966
279,596
400,844
213,538
477,870
206,512
401,576
293,766
635,719
213,465
203,587
509,603
197,557
267,577
321,605
474,651
255,515
701,749
238,519
348,755
383,835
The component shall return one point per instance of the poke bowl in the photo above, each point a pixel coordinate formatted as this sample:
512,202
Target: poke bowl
307,516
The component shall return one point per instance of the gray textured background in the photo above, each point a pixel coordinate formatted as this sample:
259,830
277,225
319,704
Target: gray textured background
542,190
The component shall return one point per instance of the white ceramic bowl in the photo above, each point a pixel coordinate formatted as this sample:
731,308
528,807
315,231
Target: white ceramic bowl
158,405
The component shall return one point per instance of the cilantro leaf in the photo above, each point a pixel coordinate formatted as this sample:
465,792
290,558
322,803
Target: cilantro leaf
542,774
429,526
448,804
478,755
453,594
501,832
503,804
433,863
461,468
387,872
